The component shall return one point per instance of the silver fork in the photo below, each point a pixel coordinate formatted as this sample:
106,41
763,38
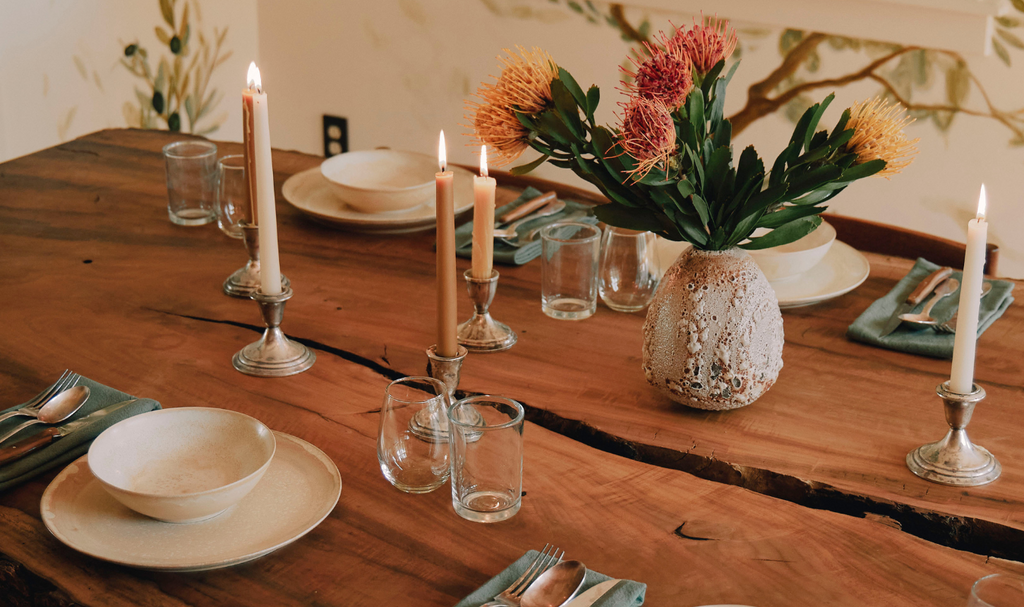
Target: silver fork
949,327
512,595
68,379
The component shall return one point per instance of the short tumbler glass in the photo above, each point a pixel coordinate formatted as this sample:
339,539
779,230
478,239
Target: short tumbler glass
191,182
629,269
412,463
487,457
569,270
233,205
997,590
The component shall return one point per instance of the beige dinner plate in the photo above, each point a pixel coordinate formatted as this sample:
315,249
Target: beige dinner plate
311,193
842,270
298,491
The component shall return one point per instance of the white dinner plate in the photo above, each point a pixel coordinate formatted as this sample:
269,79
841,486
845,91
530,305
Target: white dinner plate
842,270
298,491
311,193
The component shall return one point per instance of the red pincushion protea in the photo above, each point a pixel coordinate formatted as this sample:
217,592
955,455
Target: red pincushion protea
665,75
647,134
706,44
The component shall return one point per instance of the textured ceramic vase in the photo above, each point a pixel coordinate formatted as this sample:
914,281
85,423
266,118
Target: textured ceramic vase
713,337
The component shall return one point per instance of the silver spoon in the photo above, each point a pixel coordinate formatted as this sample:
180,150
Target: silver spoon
550,209
924,319
556,586
60,407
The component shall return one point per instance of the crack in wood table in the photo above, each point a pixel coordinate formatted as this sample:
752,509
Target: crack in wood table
802,498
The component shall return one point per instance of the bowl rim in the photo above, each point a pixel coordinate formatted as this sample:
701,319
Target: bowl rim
245,478
367,190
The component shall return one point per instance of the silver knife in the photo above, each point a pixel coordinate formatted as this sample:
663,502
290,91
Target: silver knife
53,433
924,287
592,594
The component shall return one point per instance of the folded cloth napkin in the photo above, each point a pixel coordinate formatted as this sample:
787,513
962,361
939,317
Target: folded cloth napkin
518,255
65,450
927,342
626,593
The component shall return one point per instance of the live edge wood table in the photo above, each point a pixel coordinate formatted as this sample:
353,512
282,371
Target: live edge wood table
799,499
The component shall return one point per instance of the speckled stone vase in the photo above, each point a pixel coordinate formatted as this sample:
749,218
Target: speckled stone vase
713,337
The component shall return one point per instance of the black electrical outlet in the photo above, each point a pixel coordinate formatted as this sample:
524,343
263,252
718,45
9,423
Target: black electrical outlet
335,135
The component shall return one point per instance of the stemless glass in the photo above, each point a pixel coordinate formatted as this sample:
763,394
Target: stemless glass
233,205
191,182
569,270
487,457
629,269
997,590
412,463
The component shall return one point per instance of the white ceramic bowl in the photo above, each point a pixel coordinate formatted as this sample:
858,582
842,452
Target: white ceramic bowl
182,465
377,181
791,260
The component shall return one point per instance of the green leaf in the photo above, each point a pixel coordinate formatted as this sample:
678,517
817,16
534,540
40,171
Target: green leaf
1018,4
812,180
695,107
819,109
621,216
593,98
162,35
717,172
167,10
958,84
574,89
1008,21
723,134
701,207
685,188
552,127
790,232
711,78
750,165
526,168
863,170
785,215
1010,38
1001,51
568,111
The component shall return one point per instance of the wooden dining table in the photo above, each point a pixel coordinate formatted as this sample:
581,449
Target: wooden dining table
802,498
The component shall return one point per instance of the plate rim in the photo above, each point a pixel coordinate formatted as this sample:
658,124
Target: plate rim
854,283
309,448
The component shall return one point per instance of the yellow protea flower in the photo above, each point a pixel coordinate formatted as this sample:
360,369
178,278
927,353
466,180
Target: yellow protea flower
878,133
524,86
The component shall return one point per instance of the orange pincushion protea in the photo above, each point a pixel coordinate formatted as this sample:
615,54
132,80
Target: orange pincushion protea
665,75
647,134
706,44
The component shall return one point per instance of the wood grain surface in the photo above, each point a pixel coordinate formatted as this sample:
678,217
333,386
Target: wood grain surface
804,499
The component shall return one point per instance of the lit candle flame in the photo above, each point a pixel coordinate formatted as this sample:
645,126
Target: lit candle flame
483,161
253,77
442,154
982,203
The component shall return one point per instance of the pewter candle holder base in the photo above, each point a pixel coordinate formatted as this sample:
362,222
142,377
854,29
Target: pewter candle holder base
955,460
246,280
274,355
481,333
447,371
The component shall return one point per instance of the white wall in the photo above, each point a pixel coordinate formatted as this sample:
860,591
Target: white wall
399,71
60,75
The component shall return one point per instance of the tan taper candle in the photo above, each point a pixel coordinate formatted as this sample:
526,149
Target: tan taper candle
483,220
249,148
447,339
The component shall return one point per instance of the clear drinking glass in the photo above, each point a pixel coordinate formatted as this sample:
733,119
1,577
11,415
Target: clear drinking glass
997,591
487,457
412,463
629,269
569,270
191,182
233,205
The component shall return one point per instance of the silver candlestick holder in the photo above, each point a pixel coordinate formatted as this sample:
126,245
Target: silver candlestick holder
955,460
274,355
447,371
245,280
481,333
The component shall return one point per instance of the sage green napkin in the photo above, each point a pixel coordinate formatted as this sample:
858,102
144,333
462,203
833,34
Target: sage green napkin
507,254
626,593
927,342
69,448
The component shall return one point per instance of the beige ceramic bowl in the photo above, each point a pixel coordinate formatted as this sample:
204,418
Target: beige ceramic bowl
791,260
378,181
182,465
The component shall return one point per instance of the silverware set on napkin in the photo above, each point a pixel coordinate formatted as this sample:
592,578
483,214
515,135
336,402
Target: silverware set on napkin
939,284
548,581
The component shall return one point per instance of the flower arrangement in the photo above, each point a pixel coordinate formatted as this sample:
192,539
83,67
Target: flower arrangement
669,167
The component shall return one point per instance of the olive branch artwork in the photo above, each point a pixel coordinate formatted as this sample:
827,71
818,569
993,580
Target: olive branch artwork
181,80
